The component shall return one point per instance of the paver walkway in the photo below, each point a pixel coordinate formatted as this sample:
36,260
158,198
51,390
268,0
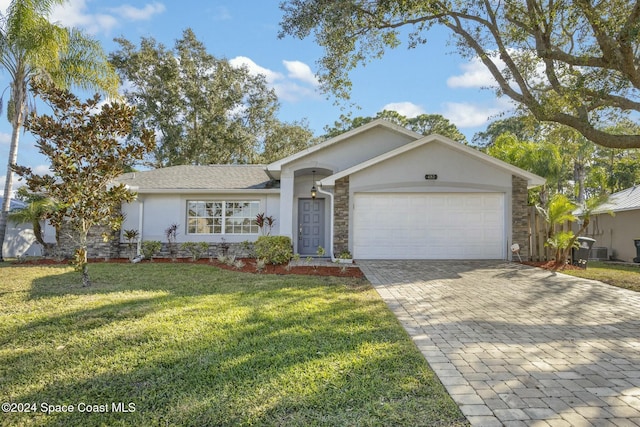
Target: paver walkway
520,346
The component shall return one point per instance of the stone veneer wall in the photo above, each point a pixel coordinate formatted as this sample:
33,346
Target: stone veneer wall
341,216
97,248
239,250
520,215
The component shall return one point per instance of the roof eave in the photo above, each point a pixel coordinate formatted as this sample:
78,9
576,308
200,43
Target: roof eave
207,191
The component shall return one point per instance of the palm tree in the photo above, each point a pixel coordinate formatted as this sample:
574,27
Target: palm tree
35,212
32,48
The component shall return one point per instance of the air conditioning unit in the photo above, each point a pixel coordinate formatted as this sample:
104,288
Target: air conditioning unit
599,253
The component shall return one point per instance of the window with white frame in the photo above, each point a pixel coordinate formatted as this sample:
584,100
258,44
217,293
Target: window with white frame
222,217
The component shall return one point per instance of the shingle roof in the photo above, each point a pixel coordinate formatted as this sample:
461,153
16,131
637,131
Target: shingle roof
13,203
624,200
190,177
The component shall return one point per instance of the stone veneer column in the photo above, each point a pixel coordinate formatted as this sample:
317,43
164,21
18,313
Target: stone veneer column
341,216
520,215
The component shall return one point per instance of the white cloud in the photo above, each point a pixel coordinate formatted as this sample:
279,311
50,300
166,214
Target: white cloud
293,92
16,184
74,13
465,115
5,138
299,83
407,109
300,71
269,75
221,13
139,14
41,169
475,74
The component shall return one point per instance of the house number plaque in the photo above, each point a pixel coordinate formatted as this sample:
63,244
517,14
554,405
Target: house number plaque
431,176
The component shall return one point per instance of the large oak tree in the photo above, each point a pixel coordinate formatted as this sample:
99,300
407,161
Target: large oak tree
574,62
203,109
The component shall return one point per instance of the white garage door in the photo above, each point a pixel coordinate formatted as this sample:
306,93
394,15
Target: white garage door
429,226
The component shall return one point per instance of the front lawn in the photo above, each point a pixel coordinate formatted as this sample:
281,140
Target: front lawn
623,276
181,344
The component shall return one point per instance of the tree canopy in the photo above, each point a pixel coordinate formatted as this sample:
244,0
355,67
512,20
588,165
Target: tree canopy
425,124
572,165
203,109
573,62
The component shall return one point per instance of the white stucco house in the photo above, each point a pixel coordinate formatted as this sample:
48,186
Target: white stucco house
381,192
617,232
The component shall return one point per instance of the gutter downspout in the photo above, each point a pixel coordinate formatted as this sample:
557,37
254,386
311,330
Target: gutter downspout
321,191
140,224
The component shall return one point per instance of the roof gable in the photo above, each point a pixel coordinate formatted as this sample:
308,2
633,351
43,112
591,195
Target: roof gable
273,169
532,179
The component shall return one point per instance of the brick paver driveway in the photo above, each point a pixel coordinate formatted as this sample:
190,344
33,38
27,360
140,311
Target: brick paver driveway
516,345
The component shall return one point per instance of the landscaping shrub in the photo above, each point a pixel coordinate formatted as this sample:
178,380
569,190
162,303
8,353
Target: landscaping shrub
195,249
150,248
274,249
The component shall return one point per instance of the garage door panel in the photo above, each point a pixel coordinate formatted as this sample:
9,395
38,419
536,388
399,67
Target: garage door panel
429,226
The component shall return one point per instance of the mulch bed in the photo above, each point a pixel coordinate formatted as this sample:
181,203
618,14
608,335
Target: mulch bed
249,266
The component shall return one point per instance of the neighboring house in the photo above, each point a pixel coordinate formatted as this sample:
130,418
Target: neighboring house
617,232
19,239
382,192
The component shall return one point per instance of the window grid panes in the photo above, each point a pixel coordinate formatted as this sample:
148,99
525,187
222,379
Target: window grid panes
220,217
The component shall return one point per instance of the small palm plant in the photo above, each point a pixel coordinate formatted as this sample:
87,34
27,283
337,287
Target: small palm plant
35,212
560,210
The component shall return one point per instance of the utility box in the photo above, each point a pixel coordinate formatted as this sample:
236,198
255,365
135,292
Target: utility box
637,243
580,255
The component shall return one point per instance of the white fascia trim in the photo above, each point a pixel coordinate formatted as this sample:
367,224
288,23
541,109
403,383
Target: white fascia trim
331,208
207,190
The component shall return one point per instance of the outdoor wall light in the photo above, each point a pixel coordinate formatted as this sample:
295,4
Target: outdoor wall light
314,190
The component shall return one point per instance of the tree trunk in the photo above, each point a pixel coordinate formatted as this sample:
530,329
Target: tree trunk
81,255
579,175
8,184
85,272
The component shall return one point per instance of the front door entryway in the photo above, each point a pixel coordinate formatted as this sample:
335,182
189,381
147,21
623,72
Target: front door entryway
310,226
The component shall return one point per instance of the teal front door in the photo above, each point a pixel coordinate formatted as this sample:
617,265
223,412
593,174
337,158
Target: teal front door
310,226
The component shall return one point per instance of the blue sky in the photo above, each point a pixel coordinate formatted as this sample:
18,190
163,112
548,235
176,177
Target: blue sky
431,79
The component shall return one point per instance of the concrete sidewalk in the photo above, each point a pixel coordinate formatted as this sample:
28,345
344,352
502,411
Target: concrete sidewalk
520,346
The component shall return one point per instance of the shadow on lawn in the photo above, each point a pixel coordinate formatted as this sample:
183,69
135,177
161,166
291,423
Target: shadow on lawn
183,279
294,351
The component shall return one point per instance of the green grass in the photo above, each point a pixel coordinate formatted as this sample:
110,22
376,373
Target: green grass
623,276
195,345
